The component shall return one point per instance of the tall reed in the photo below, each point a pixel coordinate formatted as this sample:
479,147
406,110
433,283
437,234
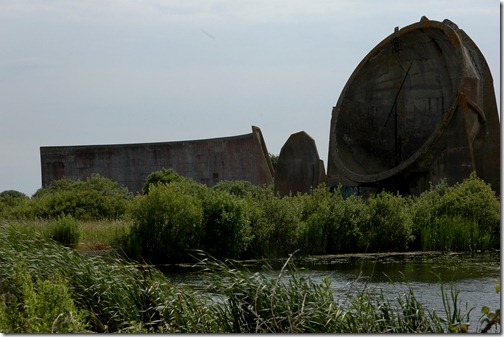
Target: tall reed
47,287
113,294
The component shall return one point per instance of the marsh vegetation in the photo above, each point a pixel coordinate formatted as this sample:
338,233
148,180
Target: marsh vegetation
52,281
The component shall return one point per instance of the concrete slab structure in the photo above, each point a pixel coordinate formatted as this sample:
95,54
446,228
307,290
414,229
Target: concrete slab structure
418,108
207,161
299,167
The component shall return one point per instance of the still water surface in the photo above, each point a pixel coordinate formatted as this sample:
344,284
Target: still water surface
474,275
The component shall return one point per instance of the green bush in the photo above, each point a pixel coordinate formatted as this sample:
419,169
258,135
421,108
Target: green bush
14,204
237,219
275,224
330,223
274,160
315,226
344,218
65,230
12,198
167,222
387,226
227,224
163,176
454,233
240,188
469,208
94,198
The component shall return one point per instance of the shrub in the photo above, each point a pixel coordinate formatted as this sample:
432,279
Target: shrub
65,230
12,198
315,225
469,208
274,160
239,188
167,222
275,224
163,176
93,198
330,223
14,204
227,224
387,227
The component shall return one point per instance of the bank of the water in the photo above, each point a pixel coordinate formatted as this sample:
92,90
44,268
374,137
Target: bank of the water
474,275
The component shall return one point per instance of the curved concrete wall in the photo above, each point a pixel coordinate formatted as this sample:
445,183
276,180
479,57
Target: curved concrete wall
207,161
420,107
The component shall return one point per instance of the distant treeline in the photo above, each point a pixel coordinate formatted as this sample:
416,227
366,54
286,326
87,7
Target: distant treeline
174,216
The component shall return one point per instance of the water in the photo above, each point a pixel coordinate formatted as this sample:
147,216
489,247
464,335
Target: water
473,274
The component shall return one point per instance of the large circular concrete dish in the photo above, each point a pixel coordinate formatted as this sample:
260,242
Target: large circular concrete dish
400,99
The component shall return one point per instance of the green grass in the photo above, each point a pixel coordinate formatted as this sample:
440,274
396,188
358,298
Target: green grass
103,234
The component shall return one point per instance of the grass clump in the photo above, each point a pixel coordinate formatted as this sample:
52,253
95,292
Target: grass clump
65,230
286,302
261,302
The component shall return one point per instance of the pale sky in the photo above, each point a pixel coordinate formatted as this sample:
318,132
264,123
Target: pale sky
93,72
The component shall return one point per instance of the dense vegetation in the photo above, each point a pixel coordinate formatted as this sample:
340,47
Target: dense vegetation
47,287
235,219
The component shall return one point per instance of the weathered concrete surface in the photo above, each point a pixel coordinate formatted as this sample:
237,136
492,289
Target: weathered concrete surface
208,161
299,167
419,107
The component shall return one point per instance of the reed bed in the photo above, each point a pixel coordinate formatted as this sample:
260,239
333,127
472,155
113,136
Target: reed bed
109,294
47,287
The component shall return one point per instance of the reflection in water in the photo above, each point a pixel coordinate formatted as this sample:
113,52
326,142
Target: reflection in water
418,267
474,275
